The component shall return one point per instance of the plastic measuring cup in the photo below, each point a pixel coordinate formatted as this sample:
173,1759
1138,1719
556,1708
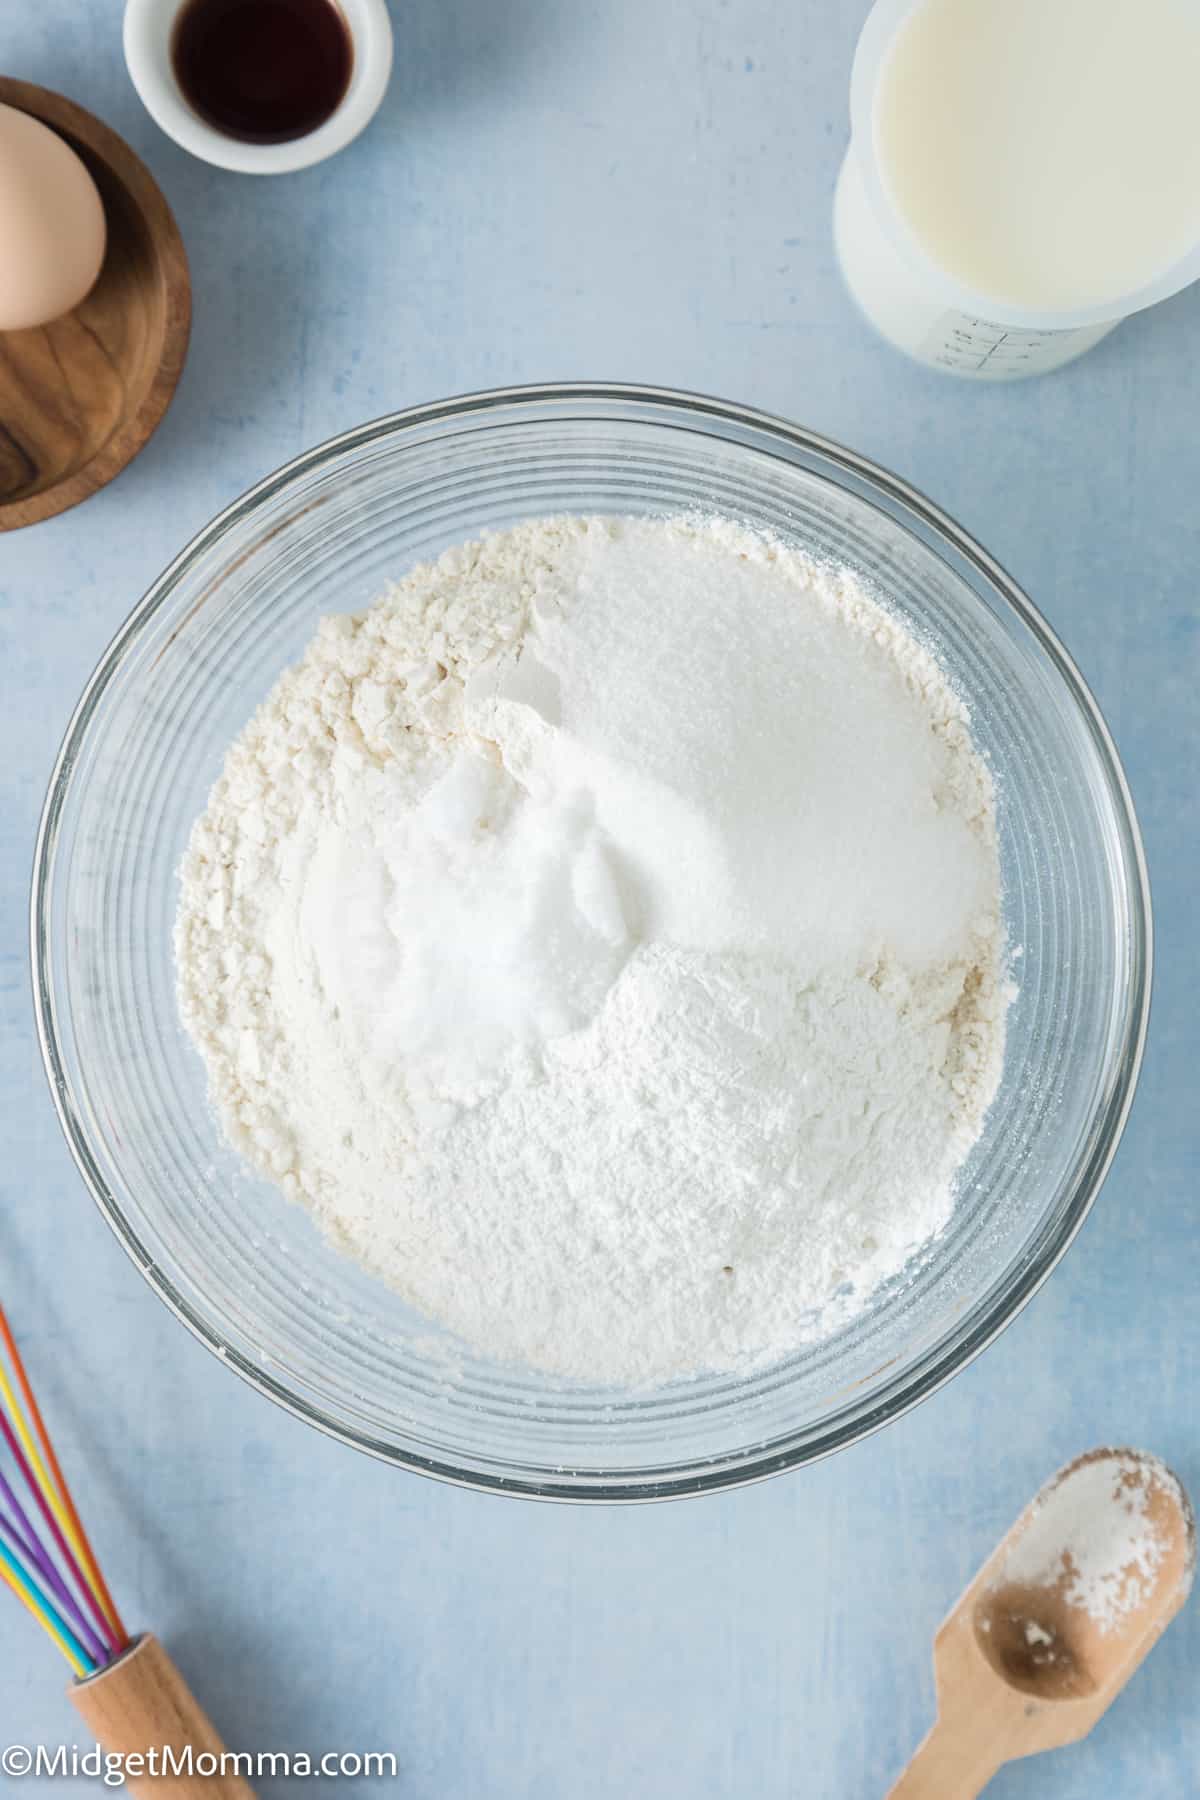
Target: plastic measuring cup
913,301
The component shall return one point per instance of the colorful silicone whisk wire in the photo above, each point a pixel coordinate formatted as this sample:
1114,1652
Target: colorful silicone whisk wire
45,1556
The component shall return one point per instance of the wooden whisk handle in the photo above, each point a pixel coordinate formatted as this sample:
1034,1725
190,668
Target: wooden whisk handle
142,1703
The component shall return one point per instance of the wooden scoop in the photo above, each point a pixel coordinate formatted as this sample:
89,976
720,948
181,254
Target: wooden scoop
1056,1621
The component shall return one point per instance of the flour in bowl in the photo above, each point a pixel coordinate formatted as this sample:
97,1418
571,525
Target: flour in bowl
602,935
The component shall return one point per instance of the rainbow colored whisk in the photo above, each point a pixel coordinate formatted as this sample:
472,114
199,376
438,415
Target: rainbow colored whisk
45,1556
128,1692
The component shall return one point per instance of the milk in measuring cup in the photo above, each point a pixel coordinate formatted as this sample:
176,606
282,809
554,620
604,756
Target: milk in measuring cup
1021,174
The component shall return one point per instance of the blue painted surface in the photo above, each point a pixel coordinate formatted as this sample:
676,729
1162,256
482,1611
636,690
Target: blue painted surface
633,189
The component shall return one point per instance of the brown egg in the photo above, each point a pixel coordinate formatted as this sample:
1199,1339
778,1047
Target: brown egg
52,230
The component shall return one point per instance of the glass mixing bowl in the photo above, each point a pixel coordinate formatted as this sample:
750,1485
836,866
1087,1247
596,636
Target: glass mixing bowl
246,1271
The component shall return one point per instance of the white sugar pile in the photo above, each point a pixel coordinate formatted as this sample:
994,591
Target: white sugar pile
602,935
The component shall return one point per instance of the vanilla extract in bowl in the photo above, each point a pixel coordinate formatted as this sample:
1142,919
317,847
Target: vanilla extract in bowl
263,71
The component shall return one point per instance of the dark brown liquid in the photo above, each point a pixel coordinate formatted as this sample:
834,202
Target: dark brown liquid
264,71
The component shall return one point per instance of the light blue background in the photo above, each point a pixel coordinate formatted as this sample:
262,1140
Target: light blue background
639,190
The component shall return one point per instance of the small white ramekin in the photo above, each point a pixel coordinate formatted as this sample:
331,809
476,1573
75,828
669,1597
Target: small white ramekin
148,28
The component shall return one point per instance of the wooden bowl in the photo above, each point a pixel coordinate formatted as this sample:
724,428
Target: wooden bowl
79,397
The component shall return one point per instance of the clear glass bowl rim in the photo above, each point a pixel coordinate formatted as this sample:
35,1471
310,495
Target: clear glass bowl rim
976,1332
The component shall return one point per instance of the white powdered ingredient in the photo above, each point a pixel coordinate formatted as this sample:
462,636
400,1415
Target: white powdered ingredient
601,934
1093,1534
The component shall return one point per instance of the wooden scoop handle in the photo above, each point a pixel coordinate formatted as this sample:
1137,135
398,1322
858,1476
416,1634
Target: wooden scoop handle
953,1763
140,1703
